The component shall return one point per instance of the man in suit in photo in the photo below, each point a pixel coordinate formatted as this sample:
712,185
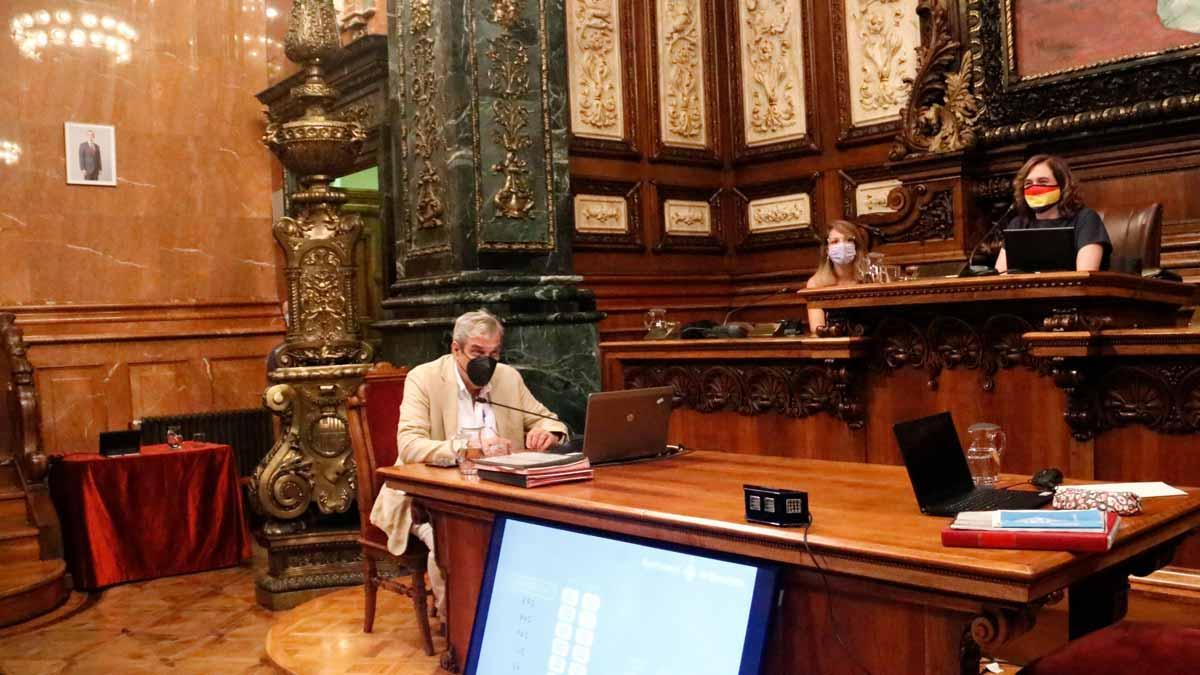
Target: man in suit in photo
89,157
440,399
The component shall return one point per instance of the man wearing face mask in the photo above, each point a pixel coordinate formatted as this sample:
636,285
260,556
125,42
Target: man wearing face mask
1046,194
440,399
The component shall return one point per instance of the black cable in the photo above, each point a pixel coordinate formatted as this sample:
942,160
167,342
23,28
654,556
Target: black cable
837,634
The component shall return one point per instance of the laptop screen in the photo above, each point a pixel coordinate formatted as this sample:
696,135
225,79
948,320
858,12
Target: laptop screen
934,458
604,603
1040,248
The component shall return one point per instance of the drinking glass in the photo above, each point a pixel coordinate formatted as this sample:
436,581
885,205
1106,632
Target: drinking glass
174,438
468,447
875,268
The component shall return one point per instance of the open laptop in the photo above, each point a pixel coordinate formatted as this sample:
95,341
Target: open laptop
116,443
1038,249
627,424
940,477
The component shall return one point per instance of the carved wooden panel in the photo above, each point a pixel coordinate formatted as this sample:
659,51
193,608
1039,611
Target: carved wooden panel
902,211
685,79
607,214
777,214
875,44
872,197
690,219
601,72
770,47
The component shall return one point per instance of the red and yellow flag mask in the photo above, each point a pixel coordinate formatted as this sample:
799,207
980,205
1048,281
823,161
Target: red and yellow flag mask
1042,196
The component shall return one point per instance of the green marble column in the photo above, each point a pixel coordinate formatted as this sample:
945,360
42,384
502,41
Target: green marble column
479,190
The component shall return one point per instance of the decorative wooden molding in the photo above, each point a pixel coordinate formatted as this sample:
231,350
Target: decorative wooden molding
1160,393
684,83
1145,88
874,42
777,214
911,212
772,60
607,214
757,389
689,219
942,110
603,76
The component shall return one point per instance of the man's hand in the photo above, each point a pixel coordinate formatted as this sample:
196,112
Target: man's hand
539,439
497,445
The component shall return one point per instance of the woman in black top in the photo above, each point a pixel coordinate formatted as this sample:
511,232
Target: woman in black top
1045,194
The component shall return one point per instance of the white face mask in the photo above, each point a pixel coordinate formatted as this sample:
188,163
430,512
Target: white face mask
842,253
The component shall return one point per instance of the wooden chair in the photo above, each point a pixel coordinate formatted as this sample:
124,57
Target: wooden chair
373,415
1136,235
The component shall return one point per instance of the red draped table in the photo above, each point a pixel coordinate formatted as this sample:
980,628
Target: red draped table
158,513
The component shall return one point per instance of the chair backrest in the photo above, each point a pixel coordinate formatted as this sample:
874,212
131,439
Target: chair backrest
373,414
1136,233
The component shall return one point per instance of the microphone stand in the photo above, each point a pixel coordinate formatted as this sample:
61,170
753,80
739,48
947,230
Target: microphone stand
969,270
570,440
739,331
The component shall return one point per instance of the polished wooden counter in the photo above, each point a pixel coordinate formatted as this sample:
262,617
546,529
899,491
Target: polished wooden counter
904,603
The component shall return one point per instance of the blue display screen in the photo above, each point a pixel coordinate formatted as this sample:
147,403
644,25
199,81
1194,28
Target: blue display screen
561,601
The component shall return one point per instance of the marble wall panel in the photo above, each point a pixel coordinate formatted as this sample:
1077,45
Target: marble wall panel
234,380
192,173
72,406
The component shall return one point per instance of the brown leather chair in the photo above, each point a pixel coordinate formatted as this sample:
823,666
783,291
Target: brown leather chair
1124,648
1136,235
372,416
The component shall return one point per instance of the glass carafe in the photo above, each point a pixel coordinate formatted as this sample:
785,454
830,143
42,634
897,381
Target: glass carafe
987,443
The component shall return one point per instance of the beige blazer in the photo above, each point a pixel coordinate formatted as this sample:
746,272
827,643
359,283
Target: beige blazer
429,418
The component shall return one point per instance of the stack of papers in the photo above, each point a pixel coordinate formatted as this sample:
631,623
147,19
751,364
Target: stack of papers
532,469
1087,530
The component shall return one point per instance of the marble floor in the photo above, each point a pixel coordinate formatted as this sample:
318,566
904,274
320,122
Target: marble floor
205,623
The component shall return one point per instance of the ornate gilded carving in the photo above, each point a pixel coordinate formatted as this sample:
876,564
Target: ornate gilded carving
428,140
681,73
772,67
757,389
507,13
942,110
596,94
323,355
509,76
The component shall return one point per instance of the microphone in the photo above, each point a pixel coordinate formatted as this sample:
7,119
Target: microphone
572,444
741,330
969,270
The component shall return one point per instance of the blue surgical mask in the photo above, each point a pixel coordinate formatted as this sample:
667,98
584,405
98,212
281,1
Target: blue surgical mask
842,253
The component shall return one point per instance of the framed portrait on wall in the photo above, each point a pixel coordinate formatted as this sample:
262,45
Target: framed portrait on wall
91,152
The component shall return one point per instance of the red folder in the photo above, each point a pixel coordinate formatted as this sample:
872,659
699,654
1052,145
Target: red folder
1083,542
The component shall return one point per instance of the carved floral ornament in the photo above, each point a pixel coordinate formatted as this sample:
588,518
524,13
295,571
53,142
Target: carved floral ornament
882,37
681,73
601,213
772,63
427,131
942,110
778,214
595,65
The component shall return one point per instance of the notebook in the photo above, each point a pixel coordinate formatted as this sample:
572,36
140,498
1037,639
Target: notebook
939,474
1036,249
627,424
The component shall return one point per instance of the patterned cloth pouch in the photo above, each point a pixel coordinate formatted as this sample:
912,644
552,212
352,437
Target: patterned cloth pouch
1122,503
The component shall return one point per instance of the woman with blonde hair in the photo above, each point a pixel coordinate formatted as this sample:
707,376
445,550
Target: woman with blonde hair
843,263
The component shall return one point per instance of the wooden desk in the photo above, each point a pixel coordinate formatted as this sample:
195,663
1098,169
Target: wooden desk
1051,300
902,602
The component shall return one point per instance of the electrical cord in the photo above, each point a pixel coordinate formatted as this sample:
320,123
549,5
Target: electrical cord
837,634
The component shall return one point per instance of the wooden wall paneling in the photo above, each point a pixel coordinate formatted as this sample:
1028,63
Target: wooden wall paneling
874,49
772,215
608,214
603,72
772,74
690,219
625,298
684,102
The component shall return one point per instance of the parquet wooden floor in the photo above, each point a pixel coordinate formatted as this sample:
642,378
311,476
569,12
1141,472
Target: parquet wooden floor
209,623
